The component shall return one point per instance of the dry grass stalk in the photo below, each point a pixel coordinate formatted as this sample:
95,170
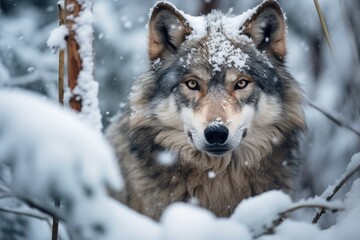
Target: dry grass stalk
325,28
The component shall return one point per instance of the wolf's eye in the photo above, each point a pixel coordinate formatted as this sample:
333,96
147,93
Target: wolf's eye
241,84
192,85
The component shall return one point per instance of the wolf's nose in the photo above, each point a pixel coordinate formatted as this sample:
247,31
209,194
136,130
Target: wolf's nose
216,134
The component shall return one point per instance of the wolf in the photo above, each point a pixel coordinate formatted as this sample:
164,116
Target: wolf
216,118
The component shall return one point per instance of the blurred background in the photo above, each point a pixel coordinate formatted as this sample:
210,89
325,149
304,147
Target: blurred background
121,56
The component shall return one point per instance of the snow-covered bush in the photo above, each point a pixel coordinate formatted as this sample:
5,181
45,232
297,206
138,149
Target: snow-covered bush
50,154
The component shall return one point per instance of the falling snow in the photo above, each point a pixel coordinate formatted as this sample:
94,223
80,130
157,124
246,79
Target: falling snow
166,158
211,174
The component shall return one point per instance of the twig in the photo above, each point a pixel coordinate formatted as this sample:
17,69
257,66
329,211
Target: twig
336,189
26,214
37,76
8,195
296,207
47,210
325,28
30,203
55,226
292,209
336,120
61,59
7,210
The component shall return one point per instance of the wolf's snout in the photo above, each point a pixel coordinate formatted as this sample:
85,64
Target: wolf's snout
216,134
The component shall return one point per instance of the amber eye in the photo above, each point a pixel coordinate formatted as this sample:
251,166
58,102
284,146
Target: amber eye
192,85
241,84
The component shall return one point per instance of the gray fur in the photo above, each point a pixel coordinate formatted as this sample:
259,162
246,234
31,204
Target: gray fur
152,124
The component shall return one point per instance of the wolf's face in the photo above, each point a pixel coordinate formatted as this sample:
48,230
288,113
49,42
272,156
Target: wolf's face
218,106
220,78
215,106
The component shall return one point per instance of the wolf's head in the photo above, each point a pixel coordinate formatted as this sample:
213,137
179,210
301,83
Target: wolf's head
220,79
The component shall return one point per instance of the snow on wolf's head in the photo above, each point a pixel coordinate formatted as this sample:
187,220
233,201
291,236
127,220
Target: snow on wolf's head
221,79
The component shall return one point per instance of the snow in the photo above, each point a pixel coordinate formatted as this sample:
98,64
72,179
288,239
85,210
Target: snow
198,25
30,69
56,40
219,28
24,47
87,87
259,212
218,122
233,25
318,201
52,146
293,230
220,48
166,158
211,174
353,164
110,220
202,225
353,196
61,4
222,51
54,154
156,63
345,228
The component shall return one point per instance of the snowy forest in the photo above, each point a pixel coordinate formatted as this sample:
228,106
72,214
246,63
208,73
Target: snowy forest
56,166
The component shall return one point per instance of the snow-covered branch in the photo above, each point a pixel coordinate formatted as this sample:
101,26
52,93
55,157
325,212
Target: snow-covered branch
329,193
263,213
84,88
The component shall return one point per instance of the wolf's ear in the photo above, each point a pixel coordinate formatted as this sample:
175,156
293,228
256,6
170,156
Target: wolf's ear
267,28
167,30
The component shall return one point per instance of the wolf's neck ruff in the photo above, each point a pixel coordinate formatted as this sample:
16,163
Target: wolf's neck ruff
219,99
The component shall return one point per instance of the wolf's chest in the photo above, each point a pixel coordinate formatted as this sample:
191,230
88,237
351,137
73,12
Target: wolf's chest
219,193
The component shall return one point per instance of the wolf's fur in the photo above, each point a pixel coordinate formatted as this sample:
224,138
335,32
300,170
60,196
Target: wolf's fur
165,115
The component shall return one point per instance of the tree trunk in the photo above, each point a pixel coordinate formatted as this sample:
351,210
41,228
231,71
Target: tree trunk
72,9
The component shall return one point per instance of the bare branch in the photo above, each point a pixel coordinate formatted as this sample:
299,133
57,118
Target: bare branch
335,119
22,213
51,211
55,226
31,78
28,214
61,59
6,195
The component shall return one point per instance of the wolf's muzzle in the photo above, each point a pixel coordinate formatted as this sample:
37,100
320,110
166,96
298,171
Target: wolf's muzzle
216,137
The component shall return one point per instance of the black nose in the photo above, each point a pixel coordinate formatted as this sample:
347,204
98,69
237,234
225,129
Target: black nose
216,134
